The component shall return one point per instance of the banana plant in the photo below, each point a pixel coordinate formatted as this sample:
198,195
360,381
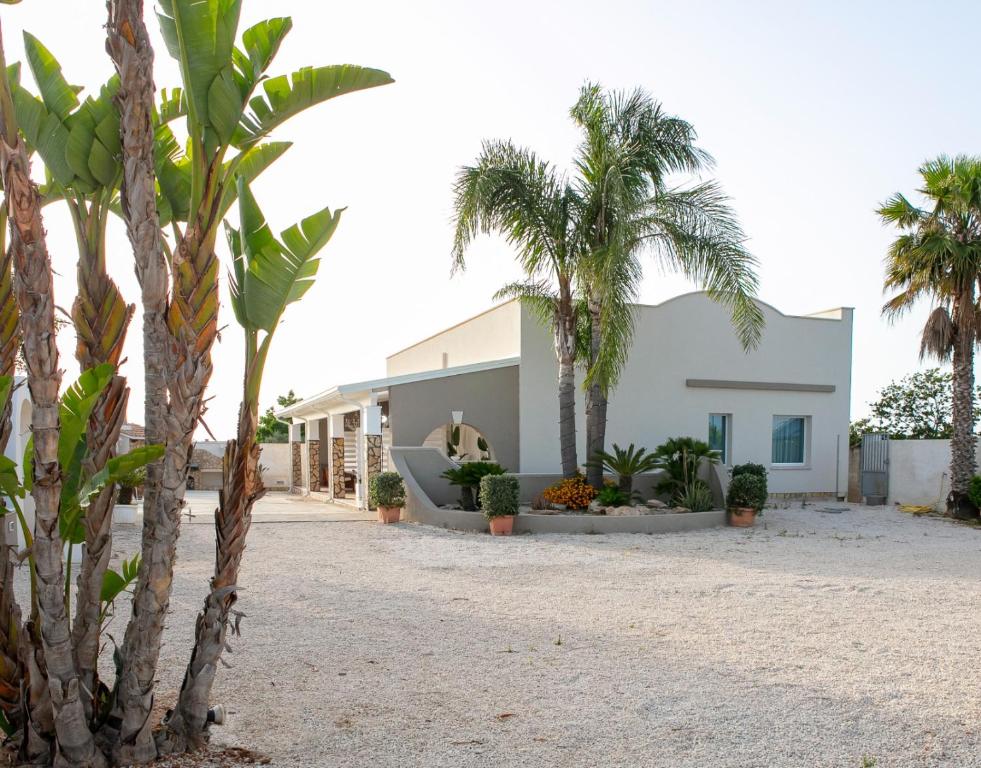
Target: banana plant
267,275
230,106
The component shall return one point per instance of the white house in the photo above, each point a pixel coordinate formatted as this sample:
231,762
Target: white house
784,404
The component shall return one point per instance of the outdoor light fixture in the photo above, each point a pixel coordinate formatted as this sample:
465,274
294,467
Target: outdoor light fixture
457,417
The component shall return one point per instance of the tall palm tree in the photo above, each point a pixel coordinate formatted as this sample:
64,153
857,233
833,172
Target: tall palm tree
937,256
230,106
79,144
267,276
630,151
511,191
34,288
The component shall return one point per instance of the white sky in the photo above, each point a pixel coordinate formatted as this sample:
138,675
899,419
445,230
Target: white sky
815,112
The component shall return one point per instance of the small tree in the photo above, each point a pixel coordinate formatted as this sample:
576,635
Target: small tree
271,429
916,407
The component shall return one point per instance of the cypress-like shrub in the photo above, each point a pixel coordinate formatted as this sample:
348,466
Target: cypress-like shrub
499,495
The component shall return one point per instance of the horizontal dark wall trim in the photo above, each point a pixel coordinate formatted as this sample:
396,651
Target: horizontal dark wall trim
767,385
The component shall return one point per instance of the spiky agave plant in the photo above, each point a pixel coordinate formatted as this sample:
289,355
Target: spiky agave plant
268,275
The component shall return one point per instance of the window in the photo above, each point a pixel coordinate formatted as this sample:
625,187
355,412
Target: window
719,435
789,439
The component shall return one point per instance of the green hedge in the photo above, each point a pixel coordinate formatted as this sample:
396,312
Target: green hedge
747,490
386,490
499,495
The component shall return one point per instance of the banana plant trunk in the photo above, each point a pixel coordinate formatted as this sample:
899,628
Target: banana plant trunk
565,347
74,743
241,488
596,401
11,670
192,328
962,442
101,318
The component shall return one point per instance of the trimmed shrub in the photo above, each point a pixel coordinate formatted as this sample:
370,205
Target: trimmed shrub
747,490
499,495
386,490
573,492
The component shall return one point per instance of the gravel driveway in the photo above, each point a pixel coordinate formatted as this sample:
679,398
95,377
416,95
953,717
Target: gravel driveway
819,640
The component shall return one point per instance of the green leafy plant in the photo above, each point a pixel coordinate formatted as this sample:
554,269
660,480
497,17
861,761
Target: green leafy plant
680,458
696,497
129,484
625,464
974,491
612,496
756,470
499,495
747,491
468,476
386,490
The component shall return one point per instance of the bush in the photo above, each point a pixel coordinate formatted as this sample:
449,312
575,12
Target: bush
696,497
749,469
747,490
468,477
573,492
612,496
974,491
499,495
129,484
386,490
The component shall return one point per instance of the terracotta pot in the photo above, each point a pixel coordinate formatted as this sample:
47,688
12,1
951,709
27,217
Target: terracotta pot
741,517
389,515
502,525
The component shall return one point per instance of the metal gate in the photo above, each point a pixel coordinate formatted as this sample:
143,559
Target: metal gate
875,468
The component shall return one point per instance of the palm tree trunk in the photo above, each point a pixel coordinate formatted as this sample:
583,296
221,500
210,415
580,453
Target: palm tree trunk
129,47
33,286
565,347
101,319
962,442
596,399
241,488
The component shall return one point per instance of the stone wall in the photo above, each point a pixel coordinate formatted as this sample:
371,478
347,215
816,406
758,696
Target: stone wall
373,459
313,447
337,467
296,468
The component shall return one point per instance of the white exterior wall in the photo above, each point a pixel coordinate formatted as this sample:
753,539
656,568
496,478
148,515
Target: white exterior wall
493,335
919,472
275,462
690,337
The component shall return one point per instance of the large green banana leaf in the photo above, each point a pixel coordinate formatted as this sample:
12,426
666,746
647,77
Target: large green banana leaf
268,275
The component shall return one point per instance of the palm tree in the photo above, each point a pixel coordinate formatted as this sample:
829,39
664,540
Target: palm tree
84,170
937,256
267,276
34,290
625,463
511,191
630,150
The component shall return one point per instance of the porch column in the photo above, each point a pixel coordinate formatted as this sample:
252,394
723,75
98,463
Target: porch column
336,458
313,454
296,459
371,427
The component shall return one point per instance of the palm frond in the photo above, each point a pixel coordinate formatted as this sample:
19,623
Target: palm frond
939,335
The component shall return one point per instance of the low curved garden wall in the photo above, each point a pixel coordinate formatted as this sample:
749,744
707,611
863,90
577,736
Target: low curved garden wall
426,492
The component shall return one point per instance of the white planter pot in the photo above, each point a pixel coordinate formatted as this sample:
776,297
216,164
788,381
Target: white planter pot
125,514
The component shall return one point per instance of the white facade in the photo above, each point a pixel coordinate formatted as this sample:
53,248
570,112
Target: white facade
687,363
784,404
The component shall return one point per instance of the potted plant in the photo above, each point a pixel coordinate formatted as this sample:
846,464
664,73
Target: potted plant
386,492
468,476
127,505
746,497
499,495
